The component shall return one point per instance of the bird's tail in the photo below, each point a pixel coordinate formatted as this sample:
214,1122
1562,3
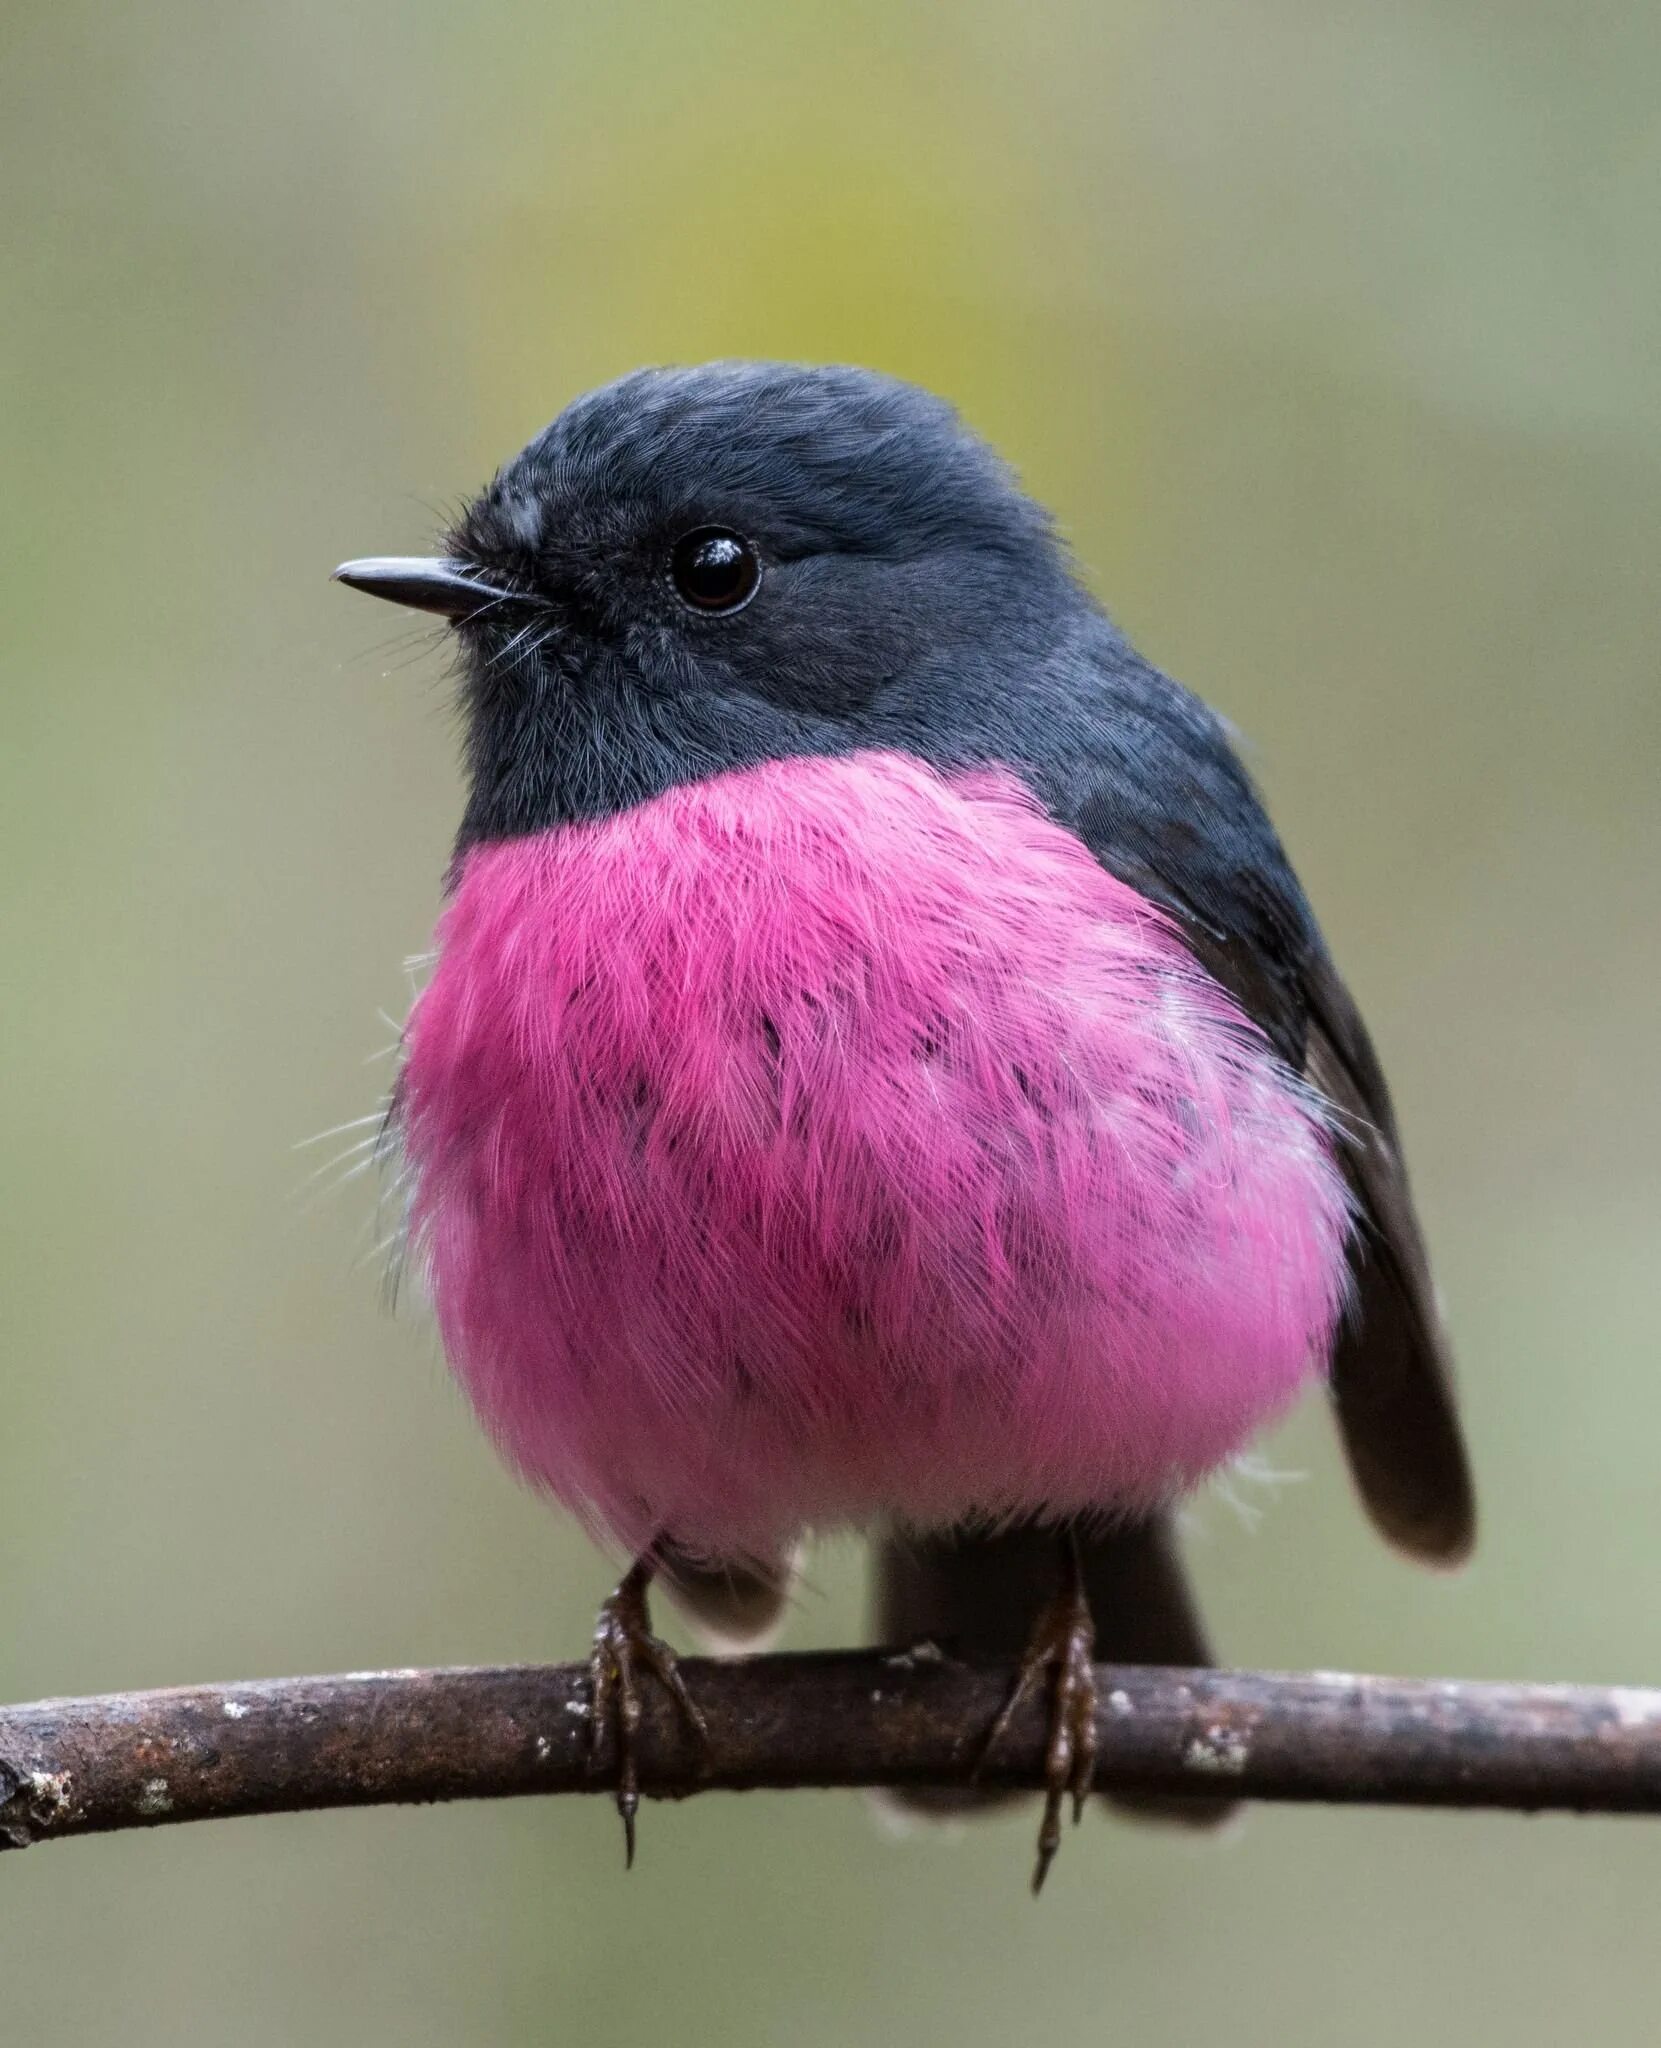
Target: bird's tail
977,1597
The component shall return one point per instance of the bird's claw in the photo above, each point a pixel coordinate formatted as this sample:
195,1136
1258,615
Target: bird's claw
1061,1647
624,1645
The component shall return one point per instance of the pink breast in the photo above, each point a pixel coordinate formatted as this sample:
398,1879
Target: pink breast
836,1139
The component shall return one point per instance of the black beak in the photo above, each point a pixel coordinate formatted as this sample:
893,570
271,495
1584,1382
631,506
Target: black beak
428,583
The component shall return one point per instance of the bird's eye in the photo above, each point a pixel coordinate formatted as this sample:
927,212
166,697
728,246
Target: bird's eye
715,570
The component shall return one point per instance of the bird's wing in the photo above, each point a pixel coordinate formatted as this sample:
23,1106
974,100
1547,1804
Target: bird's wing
1392,1372
1161,799
732,1607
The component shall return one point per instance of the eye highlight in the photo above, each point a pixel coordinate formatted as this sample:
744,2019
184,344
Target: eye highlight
714,569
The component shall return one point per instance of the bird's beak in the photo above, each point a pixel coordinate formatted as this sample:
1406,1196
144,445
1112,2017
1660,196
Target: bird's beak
428,583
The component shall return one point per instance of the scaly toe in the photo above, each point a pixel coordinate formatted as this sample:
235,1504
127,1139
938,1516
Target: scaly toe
623,1644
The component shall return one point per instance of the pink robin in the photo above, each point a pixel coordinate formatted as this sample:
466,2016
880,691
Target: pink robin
880,1068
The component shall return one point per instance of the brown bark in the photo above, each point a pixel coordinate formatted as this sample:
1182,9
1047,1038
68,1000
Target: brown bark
70,1767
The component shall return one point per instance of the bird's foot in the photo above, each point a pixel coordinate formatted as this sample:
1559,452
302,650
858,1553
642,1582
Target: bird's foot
1061,1647
624,1646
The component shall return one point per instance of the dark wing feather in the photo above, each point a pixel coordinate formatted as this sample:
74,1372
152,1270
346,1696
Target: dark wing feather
1392,1376
733,1607
1154,788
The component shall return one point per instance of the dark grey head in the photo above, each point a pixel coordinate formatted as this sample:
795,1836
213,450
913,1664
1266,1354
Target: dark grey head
696,570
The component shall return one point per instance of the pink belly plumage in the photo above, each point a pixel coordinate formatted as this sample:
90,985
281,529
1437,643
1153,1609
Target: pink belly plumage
835,1139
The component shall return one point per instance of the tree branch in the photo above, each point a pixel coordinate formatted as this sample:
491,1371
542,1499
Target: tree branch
75,1767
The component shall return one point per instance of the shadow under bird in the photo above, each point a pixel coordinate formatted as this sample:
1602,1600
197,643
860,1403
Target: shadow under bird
880,1068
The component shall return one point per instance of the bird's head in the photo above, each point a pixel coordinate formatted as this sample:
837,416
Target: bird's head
695,570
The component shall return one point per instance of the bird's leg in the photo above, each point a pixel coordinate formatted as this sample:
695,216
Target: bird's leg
1062,1642
624,1645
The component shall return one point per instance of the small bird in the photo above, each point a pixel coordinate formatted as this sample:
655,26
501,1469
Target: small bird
879,1067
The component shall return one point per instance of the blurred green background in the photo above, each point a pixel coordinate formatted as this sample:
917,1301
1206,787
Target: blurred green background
1333,332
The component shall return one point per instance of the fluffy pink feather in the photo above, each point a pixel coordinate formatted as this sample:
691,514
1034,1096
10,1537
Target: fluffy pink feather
836,1139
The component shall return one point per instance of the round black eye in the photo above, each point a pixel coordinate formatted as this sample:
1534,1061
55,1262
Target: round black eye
714,570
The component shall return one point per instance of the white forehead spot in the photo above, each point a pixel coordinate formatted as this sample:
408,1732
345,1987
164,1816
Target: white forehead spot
524,516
